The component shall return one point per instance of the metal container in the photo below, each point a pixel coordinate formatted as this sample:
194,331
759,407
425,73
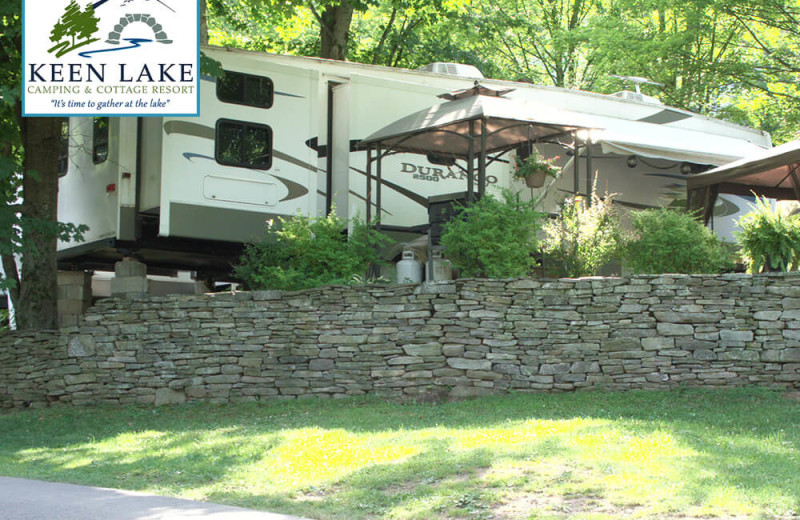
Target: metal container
442,269
409,269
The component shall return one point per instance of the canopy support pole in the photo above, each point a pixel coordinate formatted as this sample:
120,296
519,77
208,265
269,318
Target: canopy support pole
378,189
471,161
576,151
795,181
369,183
482,161
710,199
589,175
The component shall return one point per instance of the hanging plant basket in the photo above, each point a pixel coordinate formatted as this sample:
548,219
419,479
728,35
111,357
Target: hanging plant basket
535,179
535,169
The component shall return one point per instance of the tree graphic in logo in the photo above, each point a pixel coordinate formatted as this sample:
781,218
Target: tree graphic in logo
74,29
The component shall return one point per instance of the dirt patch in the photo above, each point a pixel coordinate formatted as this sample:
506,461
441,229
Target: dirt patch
522,505
315,494
409,486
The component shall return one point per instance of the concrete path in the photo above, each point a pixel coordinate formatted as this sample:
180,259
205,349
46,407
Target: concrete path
34,500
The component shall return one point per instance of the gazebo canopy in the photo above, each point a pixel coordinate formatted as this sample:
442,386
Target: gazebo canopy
772,173
445,128
473,123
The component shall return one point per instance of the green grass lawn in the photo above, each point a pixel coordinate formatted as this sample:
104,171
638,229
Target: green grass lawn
680,454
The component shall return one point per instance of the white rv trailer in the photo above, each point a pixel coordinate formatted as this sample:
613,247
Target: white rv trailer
277,137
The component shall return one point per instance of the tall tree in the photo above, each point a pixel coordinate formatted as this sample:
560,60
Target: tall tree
403,33
28,192
334,22
544,41
264,24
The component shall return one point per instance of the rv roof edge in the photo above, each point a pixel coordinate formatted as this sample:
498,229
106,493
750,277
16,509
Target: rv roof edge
364,66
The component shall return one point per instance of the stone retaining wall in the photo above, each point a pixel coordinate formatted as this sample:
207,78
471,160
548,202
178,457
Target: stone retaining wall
451,339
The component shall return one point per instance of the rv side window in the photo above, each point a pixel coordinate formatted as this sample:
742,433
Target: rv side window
248,145
245,89
100,140
63,150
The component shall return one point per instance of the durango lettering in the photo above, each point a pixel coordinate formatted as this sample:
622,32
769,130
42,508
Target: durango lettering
430,173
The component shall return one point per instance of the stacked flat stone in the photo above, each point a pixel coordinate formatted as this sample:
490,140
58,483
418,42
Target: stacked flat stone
432,341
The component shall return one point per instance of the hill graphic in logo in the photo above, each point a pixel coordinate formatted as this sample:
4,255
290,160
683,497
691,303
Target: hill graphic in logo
77,28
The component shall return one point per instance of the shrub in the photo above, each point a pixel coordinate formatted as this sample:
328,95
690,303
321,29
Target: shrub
668,241
302,253
769,240
582,239
493,238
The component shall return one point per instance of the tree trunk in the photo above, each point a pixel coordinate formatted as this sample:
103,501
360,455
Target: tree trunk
335,27
41,138
203,23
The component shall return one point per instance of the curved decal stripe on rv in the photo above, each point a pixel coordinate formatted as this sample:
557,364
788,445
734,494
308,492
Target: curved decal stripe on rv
206,132
295,190
374,204
297,162
725,208
422,201
190,129
664,117
279,93
322,149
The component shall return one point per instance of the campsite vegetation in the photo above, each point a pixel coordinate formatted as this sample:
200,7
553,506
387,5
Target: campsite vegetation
300,253
770,240
588,455
582,239
494,238
668,241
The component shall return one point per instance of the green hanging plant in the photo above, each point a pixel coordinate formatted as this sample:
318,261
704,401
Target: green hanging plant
534,169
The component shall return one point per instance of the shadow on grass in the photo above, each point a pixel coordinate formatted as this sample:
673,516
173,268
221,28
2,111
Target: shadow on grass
745,440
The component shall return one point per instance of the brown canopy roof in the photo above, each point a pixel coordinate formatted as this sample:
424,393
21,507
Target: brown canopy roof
770,173
444,128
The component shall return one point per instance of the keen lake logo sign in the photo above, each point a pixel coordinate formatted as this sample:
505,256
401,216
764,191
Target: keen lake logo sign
110,57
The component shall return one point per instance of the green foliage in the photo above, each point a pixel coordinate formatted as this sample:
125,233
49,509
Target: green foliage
667,241
493,238
535,163
734,59
582,239
769,240
302,253
210,67
4,321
